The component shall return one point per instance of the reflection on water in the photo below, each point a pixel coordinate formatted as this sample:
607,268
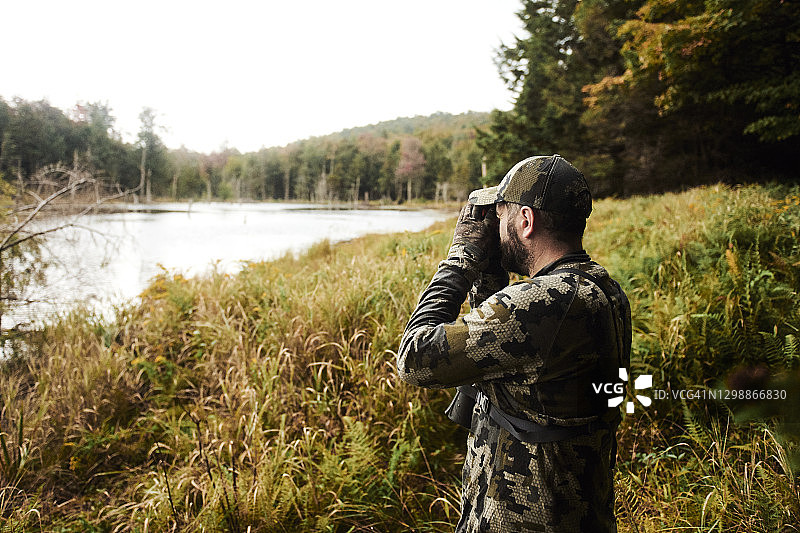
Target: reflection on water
112,261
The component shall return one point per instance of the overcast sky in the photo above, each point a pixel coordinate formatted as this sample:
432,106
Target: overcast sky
258,73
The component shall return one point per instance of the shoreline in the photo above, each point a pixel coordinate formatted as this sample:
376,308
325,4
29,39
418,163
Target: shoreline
169,206
137,241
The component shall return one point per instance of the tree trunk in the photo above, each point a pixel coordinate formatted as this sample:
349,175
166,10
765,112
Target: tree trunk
149,197
321,192
358,186
175,185
19,182
75,169
286,178
142,170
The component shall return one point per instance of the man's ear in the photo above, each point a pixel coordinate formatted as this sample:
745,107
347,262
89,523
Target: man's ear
526,220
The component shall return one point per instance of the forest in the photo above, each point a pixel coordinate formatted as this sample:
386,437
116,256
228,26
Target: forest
397,160
654,95
642,95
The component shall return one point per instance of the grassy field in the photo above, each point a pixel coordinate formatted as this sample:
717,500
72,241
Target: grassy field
268,401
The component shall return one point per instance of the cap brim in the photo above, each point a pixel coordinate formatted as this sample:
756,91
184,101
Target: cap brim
486,196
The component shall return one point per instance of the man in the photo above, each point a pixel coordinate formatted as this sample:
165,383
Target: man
542,444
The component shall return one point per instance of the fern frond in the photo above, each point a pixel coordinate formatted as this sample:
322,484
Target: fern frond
733,265
791,350
694,429
773,351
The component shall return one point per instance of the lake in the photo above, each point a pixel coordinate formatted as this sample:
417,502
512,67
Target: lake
112,258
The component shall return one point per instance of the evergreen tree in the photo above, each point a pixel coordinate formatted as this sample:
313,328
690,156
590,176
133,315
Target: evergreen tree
542,70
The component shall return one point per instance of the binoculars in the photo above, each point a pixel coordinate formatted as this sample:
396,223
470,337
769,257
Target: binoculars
481,212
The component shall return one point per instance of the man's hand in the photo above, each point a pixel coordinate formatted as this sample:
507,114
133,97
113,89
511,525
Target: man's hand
476,244
478,228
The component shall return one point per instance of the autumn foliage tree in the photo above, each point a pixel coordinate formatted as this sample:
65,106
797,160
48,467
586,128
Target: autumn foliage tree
411,167
650,95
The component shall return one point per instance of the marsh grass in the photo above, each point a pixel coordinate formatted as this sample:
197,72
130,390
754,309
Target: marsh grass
268,401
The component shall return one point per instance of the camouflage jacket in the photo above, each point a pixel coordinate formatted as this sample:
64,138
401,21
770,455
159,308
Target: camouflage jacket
535,348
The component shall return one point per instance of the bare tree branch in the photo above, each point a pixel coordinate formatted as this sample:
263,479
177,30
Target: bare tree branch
34,235
4,245
23,223
71,186
22,300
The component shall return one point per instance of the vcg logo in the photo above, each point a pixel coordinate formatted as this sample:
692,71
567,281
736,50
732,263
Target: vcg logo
644,381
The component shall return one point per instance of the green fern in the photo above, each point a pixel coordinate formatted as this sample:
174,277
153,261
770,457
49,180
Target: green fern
398,461
693,427
791,350
628,495
773,351
780,352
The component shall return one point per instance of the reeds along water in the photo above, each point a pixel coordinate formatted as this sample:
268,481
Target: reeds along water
268,400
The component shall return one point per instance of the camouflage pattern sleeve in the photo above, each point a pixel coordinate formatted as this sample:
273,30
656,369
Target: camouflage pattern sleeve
439,303
508,335
492,279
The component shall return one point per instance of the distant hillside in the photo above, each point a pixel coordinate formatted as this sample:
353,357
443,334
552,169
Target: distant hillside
416,125
421,157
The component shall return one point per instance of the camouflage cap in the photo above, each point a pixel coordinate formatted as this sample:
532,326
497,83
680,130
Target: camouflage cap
547,182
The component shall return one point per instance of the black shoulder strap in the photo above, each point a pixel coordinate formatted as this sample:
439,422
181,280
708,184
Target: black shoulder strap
591,278
528,431
615,309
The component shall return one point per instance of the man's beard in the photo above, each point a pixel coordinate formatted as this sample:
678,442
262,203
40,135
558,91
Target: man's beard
514,256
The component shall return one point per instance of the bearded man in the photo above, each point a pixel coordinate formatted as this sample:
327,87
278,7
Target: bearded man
529,356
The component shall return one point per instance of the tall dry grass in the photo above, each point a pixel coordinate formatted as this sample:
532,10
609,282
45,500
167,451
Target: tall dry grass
267,401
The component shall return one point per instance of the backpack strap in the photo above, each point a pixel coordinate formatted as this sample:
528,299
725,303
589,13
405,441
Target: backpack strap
622,345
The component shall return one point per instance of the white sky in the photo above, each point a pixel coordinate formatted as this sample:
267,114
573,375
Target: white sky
258,73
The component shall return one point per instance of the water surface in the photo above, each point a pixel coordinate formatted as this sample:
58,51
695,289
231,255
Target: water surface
113,257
